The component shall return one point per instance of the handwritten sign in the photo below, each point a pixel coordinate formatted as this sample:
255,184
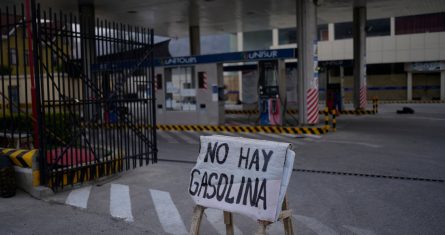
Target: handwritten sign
241,175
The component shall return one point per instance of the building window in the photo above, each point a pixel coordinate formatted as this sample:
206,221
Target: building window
12,56
180,89
378,27
420,23
343,30
257,40
287,36
322,32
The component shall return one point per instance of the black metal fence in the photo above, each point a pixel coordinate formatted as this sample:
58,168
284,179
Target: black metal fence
92,110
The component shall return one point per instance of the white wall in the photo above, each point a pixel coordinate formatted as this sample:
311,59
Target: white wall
386,49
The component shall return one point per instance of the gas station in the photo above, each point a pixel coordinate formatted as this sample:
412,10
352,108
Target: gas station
205,105
104,104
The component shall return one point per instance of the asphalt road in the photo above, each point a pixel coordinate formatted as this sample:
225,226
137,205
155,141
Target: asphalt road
379,174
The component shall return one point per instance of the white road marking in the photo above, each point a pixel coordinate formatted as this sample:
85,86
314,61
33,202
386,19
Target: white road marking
167,137
427,118
208,132
315,225
79,197
359,231
227,133
184,137
284,137
352,142
194,134
167,212
216,219
120,203
411,117
249,135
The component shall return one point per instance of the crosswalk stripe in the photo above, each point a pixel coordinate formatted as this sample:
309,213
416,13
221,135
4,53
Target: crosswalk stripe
216,219
167,212
79,197
167,137
120,202
359,231
181,135
315,225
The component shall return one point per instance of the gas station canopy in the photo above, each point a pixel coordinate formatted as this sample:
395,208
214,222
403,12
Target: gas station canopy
171,17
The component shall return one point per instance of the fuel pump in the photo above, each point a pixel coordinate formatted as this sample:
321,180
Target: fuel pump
268,92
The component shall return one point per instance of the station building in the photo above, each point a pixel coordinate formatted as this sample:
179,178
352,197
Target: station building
405,56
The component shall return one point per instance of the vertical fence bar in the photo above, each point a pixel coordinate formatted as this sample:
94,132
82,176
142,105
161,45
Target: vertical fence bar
37,94
15,102
153,98
49,54
11,69
31,17
3,72
26,58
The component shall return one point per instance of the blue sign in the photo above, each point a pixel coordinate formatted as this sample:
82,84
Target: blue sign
245,56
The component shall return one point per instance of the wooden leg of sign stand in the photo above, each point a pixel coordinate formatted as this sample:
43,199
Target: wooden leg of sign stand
262,227
198,211
228,220
285,215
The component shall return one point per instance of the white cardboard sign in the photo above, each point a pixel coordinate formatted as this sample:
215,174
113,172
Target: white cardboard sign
241,175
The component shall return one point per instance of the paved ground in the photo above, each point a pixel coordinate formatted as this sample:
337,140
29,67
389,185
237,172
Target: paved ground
154,199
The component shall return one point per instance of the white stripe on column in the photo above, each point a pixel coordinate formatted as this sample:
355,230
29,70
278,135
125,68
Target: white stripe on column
168,214
216,219
79,197
120,203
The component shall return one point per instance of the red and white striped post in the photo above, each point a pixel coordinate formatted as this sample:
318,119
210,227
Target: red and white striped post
307,62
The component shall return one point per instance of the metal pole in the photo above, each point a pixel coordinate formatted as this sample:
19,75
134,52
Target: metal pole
31,73
37,111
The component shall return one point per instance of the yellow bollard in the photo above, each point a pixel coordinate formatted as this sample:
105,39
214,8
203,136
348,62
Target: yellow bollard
334,120
326,118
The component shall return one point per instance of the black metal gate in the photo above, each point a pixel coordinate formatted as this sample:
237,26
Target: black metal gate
94,96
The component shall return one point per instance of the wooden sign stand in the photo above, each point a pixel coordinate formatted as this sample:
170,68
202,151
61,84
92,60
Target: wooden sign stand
285,216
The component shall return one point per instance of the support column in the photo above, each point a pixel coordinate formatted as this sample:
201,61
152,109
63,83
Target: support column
195,44
88,56
409,86
307,62
360,99
194,34
331,32
239,47
275,39
342,87
442,85
393,26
